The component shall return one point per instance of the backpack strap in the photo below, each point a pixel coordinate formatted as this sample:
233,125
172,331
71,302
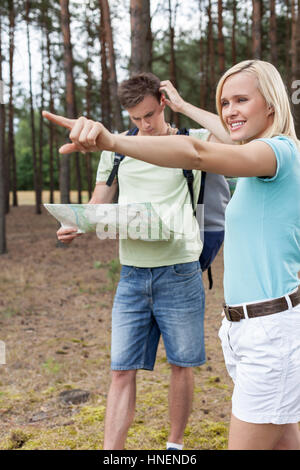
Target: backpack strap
117,160
201,194
201,201
188,174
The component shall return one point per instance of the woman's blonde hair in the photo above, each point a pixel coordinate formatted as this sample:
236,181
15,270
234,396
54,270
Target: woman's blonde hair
272,88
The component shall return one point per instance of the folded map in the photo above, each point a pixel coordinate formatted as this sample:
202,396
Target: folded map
136,221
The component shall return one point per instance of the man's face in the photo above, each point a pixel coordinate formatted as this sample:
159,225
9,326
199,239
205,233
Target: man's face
148,116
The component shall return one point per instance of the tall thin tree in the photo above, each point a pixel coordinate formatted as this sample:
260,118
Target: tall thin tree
287,72
2,159
105,89
141,36
88,90
256,29
37,189
52,129
41,123
233,32
71,105
221,45
12,175
174,117
273,34
211,57
294,41
201,56
111,60
297,106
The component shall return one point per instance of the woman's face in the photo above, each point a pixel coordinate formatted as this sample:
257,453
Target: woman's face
244,109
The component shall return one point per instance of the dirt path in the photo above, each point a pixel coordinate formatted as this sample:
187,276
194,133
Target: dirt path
55,306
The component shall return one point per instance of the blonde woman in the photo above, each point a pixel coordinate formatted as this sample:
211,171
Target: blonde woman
260,332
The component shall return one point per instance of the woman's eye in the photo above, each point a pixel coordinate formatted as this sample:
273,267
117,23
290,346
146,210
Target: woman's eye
224,103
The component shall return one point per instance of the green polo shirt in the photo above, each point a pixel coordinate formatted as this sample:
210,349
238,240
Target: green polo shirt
166,188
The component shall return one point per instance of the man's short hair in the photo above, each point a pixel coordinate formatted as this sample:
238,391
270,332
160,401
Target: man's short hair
132,91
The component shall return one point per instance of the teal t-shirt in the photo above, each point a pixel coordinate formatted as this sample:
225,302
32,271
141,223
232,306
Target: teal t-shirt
262,231
166,188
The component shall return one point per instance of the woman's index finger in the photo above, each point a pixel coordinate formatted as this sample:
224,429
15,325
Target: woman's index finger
60,120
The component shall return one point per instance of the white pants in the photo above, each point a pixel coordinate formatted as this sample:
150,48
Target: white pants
262,356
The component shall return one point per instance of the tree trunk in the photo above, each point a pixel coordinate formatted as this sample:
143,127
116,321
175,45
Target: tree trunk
71,106
104,91
201,53
211,58
249,34
256,29
51,126
293,42
11,141
287,70
41,126
2,162
273,34
297,106
233,35
113,82
33,143
141,36
88,159
221,47
2,184
5,163
174,117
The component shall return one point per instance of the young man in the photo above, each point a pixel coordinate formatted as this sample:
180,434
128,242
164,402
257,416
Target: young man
160,291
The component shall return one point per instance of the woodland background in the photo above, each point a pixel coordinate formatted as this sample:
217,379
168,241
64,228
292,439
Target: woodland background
72,55
55,301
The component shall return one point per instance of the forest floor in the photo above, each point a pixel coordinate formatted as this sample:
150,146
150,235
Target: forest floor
55,308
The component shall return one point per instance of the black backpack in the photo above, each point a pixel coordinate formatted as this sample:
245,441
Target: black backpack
213,197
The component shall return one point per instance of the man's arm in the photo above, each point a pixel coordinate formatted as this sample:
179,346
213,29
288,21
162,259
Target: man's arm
102,194
206,119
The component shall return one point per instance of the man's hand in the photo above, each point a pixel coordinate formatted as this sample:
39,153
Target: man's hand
175,102
86,135
67,235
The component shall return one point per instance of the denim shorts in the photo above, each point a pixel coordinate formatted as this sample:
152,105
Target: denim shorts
150,302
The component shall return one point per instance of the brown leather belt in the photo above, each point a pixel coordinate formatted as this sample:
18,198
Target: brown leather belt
262,308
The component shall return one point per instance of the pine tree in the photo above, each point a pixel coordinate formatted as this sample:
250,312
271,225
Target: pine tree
2,159
141,36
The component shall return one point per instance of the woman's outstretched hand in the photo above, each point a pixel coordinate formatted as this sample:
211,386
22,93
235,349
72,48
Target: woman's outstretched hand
86,135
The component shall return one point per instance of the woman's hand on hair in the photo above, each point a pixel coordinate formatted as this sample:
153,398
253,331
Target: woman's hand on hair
86,135
175,102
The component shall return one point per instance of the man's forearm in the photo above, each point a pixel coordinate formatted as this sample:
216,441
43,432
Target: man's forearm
104,194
